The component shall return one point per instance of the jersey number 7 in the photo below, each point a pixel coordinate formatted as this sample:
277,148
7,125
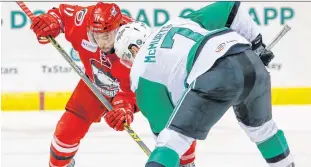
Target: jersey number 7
168,41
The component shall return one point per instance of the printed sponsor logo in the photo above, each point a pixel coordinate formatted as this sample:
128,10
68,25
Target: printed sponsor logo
9,70
74,55
57,69
120,34
92,47
275,66
220,47
158,17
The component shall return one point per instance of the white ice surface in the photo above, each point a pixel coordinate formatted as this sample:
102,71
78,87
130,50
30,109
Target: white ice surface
26,136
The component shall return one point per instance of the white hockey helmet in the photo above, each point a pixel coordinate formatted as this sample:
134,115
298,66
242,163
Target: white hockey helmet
130,36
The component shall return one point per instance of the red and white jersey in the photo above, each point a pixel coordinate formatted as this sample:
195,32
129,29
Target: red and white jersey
105,70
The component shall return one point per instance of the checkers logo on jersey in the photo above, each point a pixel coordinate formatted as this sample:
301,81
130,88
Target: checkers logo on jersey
220,47
103,79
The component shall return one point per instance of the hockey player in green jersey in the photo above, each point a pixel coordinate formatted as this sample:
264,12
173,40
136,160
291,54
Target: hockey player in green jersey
193,75
224,14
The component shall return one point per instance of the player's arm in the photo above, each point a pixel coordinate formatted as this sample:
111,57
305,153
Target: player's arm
122,74
232,15
244,24
226,14
54,22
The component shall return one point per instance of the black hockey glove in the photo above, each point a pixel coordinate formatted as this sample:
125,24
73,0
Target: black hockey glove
266,56
259,48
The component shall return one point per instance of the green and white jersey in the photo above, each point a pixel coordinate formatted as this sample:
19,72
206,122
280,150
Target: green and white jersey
164,66
226,14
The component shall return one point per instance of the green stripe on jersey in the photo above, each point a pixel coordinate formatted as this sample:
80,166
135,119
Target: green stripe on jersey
155,104
213,16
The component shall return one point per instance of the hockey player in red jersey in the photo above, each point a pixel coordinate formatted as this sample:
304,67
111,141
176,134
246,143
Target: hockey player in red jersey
91,31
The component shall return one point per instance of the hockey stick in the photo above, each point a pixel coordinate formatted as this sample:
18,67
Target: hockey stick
86,80
278,37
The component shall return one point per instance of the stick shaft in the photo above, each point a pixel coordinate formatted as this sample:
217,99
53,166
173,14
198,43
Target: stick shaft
278,37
